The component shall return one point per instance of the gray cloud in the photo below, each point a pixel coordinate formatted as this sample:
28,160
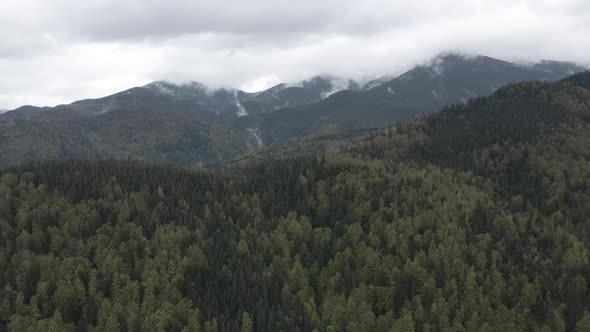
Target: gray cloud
139,19
61,50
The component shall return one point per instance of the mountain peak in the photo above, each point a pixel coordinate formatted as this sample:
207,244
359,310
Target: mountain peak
455,60
559,68
459,57
173,89
163,87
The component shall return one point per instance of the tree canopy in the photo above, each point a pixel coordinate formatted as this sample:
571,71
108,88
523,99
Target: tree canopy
473,218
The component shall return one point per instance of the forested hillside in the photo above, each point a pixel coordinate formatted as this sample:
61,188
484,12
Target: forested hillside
473,218
193,125
136,125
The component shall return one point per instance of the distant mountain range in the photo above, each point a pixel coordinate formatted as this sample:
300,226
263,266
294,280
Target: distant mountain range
191,124
227,103
449,78
230,103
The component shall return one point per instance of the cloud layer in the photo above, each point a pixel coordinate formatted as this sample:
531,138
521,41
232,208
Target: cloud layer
62,50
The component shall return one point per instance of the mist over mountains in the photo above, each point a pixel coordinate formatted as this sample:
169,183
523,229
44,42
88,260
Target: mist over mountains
192,124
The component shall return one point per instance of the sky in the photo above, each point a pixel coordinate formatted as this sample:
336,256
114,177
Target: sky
58,51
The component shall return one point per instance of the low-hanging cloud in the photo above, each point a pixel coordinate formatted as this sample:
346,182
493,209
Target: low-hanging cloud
61,50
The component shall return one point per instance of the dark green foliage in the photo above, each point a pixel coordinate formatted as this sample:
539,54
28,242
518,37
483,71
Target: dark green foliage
473,218
580,79
148,128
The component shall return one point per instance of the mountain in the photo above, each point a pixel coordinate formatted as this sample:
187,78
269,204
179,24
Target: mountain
453,78
22,113
376,82
191,124
230,103
137,124
449,78
558,68
185,124
224,102
471,218
292,95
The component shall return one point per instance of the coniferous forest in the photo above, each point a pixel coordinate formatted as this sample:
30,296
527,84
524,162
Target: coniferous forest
474,218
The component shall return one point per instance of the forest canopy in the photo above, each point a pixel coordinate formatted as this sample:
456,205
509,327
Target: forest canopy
476,217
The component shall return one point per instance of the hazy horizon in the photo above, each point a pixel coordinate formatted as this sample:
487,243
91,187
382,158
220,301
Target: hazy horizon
60,51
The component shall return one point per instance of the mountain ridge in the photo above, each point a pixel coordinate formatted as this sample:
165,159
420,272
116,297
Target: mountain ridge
555,67
424,88
193,125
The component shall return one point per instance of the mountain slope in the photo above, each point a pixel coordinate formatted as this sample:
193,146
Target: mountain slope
292,95
521,113
377,82
489,233
134,124
559,68
456,78
230,103
182,124
22,113
450,78
190,124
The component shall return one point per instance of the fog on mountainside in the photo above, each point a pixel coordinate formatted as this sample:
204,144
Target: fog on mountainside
191,124
305,166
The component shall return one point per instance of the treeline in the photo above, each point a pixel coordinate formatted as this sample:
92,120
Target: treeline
473,218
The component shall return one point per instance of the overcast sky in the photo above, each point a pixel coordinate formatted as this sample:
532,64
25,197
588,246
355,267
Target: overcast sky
57,51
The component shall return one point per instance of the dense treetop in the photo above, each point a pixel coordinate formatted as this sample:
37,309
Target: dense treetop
472,218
